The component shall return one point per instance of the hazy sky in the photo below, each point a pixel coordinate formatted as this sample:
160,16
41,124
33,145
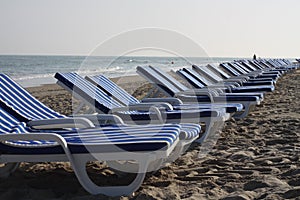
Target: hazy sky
227,28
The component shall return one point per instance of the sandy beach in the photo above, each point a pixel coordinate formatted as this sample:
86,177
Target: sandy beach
255,158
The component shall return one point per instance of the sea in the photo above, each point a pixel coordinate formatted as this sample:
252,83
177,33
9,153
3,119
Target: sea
29,70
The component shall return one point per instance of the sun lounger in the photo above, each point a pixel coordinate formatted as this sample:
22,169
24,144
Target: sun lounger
22,105
199,81
97,99
265,67
256,73
172,87
257,68
27,108
227,77
216,78
278,65
145,146
125,98
238,71
104,103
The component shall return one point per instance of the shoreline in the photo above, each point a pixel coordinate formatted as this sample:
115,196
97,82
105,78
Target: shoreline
40,82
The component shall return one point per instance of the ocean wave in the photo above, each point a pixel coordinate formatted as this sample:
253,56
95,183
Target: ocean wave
29,77
110,71
135,61
100,70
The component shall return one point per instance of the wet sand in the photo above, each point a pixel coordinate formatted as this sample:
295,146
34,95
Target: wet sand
254,158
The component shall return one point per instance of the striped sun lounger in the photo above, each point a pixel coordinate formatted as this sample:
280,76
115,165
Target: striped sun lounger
23,106
143,145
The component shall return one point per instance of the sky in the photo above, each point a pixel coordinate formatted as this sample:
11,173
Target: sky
222,28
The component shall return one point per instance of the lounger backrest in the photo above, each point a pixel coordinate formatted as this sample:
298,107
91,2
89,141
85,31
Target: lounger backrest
250,67
10,124
218,70
272,64
264,64
199,77
21,103
156,79
254,64
112,89
280,62
168,77
230,69
288,62
276,61
193,81
87,91
207,72
285,62
238,66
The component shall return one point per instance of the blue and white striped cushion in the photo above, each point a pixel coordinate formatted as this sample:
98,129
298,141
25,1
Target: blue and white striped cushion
190,131
167,134
96,96
127,99
22,102
113,89
86,88
9,124
19,100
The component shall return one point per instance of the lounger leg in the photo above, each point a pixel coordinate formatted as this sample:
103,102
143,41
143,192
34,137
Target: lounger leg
210,137
208,143
8,169
211,126
79,107
180,148
79,166
248,107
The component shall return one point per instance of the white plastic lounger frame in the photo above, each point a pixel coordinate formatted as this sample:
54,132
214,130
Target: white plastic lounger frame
95,144
78,162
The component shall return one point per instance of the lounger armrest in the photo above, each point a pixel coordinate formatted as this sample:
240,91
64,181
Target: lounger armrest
40,136
96,118
244,76
202,92
59,123
160,104
34,136
233,81
171,100
238,78
232,84
140,107
219,87
135,107
197,93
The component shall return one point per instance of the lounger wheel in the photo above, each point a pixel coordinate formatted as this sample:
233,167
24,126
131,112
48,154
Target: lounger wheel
7,168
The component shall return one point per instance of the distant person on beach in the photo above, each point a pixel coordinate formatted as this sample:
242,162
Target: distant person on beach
254,57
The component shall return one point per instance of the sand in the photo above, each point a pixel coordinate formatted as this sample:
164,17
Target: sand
254,158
